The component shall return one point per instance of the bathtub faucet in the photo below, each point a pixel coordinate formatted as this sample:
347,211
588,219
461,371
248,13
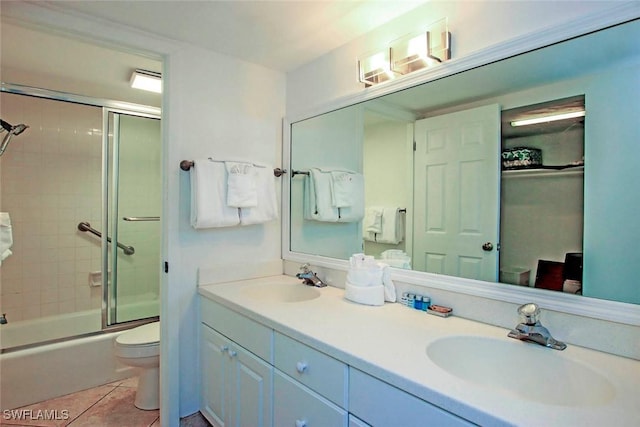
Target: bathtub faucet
3,319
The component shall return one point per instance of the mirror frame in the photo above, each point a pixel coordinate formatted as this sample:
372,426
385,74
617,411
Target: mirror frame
625,313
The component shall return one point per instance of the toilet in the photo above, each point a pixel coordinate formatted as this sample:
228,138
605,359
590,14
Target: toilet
140,347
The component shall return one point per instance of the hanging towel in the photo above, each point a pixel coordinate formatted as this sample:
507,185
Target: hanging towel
372,222
355,211
392,226
209,196
6,236
317,197
342,189
266,208
241,185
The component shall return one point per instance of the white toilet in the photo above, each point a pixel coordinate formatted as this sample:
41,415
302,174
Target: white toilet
140,347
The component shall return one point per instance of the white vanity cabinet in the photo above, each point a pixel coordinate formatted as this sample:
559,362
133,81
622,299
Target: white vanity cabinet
380,404
310,387
255,376
236,385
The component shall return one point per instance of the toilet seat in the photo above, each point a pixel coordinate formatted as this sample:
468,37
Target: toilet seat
142,341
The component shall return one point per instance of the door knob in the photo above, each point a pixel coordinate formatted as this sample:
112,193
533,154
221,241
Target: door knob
487,247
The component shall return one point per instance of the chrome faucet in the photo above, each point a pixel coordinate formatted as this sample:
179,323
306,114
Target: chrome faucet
309,277
3,319
531,330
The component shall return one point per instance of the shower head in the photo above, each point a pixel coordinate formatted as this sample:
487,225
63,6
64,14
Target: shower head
11,131
18,129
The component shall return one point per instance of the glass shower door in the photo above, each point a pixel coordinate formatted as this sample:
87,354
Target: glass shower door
134,199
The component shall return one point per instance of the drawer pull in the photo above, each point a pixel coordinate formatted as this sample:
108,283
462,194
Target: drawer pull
232,353
301,423
301,367
224,348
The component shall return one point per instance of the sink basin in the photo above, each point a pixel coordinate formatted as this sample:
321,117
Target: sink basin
522,370
282,292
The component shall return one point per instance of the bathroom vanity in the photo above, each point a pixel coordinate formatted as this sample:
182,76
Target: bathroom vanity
274,352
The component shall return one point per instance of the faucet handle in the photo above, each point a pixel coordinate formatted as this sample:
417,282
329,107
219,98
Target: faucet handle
529,313
305,268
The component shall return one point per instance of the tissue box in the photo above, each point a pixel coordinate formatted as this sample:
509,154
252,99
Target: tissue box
515,275
521,158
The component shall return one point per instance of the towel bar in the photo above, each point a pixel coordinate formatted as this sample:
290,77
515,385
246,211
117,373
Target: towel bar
185,165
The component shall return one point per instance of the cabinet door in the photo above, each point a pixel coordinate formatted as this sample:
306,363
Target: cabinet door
251,397
214,365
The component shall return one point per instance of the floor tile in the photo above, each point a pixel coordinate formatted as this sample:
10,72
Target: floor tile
195,420
116,410
60,411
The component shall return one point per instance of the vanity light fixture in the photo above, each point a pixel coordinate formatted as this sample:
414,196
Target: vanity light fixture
407,54
548,118
375,68
146,80
416,51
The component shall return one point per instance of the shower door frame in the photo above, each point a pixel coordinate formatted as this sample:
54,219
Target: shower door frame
121,107
110,187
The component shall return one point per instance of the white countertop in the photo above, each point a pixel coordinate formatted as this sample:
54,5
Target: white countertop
390,341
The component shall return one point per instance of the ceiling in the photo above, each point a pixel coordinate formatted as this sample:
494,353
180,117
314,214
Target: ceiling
281,35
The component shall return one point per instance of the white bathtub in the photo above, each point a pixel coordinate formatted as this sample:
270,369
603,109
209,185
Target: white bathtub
51,370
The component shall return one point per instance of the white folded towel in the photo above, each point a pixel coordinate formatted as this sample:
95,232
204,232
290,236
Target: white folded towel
396,258
6,236
355,211
392,226
266,208
368,282
366,295
372,223
317,195
209,196
241,185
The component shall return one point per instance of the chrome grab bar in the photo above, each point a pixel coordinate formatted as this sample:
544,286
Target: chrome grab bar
141,218
85,226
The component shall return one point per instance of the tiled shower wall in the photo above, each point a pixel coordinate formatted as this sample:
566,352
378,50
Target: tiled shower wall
51,181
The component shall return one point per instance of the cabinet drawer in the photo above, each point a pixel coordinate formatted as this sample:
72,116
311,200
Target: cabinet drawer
378,404
249,334
297,406
316,370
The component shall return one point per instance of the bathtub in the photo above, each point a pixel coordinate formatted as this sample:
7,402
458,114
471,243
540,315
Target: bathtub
46,371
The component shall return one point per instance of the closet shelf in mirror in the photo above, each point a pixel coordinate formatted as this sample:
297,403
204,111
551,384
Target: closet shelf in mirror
543,172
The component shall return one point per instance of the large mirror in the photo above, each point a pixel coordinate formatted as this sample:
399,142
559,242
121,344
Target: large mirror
452,187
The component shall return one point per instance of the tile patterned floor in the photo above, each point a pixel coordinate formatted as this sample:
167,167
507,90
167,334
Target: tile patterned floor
104,406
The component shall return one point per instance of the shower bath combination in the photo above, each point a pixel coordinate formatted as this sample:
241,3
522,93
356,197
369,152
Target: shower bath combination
11,131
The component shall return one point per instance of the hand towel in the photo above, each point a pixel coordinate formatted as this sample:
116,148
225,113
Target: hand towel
241,185
6,236
389,286
355,211
266,208
342,188
372,223
392,226
317,195
209,196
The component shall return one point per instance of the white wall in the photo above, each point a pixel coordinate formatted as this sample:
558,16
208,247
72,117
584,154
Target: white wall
474,25
228,109
213,105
